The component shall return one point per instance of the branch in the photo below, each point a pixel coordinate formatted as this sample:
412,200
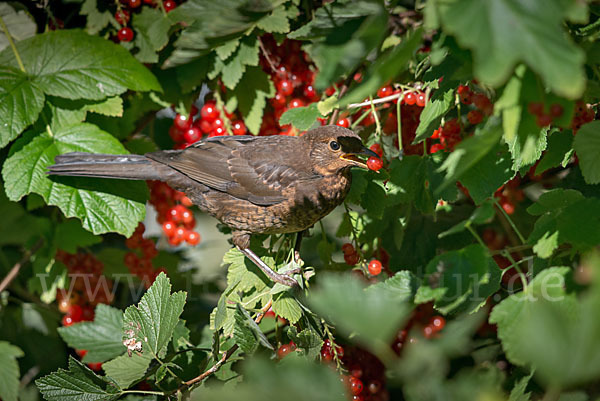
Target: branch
378,101
17,267
266,54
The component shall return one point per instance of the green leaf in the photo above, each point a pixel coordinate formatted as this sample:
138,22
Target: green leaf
19,24
587,147
457,273
77,383
102,338
70,235
252,93
546,245
246,333
154,319
151,33
9,371
374,316
553,200
307,340
558,151
232,69
402,286
277,21
519,308
481,215
287,307
518,391
471,151
504,32
21,101
112,107
301,117
102,205
96,19
101,68
432,115
384,69
126,370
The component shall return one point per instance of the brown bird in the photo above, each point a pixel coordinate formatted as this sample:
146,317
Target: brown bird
274,184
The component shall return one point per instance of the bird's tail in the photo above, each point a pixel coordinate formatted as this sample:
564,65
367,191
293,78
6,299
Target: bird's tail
127,167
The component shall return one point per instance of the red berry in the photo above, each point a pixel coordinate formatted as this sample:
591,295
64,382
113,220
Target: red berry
284,350
87,314
169,5
556,110
209,112
63,305
296,103
508,207
543,120
81,352
374,163
205,126
95,366
351,259
218,123
385,91
125,34
344,122
239,128
134,3
436,147
219,131
437,322
285,87
374,267
356,385
169,228
310,92
482,103
76,313
377,149
182,122
465,94
410,98
348,248
192,135
428,331
122,17
192,238
421,99
535,108
474,117
67,320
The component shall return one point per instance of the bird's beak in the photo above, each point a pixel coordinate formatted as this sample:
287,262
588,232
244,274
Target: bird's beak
355,160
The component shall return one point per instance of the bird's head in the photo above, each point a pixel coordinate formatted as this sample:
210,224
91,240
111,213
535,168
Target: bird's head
333,148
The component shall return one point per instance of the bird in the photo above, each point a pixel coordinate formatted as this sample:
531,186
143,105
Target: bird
253,184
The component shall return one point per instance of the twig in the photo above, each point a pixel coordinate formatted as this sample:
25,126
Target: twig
15,269
336,112
225,356
266,54
378,101
12,45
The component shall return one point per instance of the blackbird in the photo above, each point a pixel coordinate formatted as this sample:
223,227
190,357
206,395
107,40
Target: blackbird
253,184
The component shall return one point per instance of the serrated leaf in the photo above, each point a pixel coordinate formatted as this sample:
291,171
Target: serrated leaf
246,333
102,207
154,319
587,147
432,115
328,105
518,391
102,338
233,68
9,371
307,340
553,200
96,19
76,384
152,33
19,24
558,152
277,21
126,370
402,286
21,101
112,107
301,117
99,70
252,93
374,316
504,32
287,307
518,308
546,245
227,49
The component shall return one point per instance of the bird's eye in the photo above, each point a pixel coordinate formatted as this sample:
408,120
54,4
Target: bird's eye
334,145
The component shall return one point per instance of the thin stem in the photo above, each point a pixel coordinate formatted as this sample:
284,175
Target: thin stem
377,123
12,274
399,121
474,233
266,54
517,268
142,392
512,224
12,45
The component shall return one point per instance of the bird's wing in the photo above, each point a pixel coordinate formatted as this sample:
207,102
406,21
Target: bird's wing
246,167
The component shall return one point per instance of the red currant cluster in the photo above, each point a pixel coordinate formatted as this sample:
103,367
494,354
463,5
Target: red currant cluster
88,287
366,378
123,15
543,118
374,267
583,114
177,220
140,263
424,319
510,194
448,135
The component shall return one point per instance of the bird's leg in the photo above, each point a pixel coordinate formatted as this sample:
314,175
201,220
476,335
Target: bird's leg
299,237
273,275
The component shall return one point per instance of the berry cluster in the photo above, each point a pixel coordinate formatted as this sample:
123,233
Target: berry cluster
126,7
140,263
510,194
177,219
424,320
366,378
544,118
583,114
374,267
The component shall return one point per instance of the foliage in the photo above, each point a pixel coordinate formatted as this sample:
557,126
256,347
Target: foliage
466,268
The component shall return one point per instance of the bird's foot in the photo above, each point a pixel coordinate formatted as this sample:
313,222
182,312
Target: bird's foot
284,279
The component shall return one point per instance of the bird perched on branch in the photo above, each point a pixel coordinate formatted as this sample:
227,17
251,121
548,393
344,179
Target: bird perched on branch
274,184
